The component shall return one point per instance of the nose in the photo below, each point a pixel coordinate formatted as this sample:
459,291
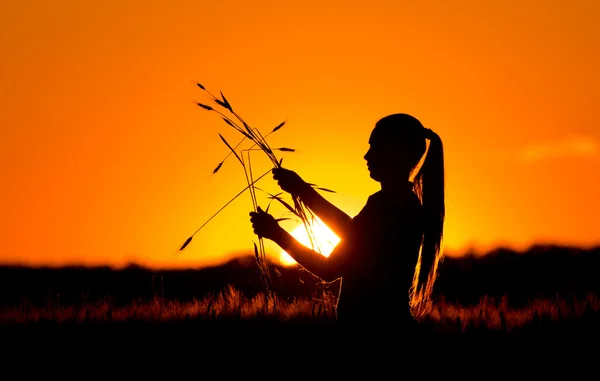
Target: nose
367,155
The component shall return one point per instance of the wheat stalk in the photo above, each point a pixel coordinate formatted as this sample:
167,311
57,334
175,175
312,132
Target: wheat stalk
235,121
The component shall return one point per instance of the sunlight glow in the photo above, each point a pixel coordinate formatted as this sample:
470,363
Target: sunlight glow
325,241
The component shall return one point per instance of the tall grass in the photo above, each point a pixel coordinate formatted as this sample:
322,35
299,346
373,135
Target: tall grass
227,304
490,314
257,142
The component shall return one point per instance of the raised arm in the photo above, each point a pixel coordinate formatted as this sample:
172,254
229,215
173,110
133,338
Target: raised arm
338,221
312,261
266,226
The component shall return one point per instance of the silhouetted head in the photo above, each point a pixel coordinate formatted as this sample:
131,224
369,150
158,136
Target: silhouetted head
397,144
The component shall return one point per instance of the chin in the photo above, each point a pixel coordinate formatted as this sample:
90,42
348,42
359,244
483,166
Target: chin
373,175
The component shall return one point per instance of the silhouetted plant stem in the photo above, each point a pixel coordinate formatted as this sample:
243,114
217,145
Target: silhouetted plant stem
259,140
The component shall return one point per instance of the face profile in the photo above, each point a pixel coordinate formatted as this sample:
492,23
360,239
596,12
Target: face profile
396,145
380,160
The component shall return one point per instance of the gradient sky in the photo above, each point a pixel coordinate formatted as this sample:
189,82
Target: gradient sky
105,159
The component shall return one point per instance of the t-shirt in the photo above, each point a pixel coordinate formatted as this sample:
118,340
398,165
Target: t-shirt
377,261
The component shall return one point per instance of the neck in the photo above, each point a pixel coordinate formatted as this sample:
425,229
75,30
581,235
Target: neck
393,186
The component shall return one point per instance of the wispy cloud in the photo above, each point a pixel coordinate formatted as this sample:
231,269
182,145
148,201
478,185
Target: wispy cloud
568,146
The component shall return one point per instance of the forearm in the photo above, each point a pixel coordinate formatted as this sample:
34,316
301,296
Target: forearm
311,260
338,221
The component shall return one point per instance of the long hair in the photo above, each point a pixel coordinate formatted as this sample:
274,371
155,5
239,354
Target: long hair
430,187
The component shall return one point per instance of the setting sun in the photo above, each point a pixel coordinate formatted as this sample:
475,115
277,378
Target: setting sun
325,241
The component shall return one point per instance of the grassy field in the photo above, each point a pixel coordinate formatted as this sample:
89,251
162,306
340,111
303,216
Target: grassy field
545,297
490,315
231,332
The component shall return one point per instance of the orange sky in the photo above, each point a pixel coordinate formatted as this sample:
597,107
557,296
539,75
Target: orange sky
104,158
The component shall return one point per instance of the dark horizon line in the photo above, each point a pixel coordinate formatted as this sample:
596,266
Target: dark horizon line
246,256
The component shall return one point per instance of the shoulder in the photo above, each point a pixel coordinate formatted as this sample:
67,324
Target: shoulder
374,198
371,208
397,206
406,200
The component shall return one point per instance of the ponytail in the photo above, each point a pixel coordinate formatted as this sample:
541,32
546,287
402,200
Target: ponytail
429,186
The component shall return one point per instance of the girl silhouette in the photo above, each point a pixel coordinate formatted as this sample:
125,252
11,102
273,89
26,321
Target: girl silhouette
388,253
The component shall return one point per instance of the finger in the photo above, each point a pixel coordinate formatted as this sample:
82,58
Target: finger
260,210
